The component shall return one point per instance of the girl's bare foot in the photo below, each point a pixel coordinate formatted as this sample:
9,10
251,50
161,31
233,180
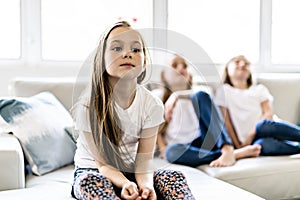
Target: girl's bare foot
247,151
226,159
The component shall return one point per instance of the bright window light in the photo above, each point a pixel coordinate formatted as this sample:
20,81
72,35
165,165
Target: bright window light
285,32
10,29
72,28
222,28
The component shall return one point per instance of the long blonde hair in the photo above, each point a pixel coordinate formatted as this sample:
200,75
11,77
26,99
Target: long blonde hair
104,121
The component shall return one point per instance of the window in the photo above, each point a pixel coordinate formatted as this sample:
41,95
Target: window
71,28
64,32
222,28
285,32
10,29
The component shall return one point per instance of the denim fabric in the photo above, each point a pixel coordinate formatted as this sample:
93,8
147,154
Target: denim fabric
212,135
277,138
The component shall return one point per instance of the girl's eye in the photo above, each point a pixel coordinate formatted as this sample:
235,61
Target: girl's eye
136,50
117,48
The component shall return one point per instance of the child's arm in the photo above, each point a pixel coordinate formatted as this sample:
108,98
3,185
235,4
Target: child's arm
266,110
161,144
267,113
171,102
144,163
230,128
183,94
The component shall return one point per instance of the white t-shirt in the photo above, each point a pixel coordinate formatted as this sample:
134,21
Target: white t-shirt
184,126
244,106
146,111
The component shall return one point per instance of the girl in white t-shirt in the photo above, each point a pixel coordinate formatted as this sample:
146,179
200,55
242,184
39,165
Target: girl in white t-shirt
247,109
118,120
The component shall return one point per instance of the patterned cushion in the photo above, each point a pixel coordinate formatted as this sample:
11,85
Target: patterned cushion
39,122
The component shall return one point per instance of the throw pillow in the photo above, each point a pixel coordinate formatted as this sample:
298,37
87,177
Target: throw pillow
39,122
72,132
3,125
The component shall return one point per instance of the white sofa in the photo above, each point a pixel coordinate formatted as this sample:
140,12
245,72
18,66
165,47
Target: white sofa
57,184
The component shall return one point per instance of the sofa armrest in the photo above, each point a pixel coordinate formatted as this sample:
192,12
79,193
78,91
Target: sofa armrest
12,175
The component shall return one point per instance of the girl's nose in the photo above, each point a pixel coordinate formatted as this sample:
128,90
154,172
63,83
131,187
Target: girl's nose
181,69
242,63
127,54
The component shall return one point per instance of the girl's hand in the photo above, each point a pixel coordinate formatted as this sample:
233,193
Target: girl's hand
147,193
130,191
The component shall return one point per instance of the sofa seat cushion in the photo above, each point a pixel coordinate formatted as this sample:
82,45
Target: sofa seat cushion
57,185
206,187
261,175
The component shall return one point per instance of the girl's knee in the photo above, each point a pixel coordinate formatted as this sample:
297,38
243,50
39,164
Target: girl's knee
172,184
168,175
263,123
92,185
201,96
261,126
174,151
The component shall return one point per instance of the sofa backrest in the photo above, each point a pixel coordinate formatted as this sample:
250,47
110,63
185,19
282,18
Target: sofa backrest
284,87
65,89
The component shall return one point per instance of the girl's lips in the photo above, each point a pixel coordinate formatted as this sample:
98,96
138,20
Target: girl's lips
127,64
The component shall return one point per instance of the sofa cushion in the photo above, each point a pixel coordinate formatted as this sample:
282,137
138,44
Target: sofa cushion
285,89
39,122
72,132
57,185
262,174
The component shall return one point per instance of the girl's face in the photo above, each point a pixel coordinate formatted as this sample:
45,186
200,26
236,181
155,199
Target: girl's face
177,77
180,66
124,54
239,69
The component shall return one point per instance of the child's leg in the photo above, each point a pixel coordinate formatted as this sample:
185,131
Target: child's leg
171,185
273,147
214,135
213,131
90,184
278,130
186,154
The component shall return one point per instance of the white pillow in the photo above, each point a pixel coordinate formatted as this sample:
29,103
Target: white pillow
39,122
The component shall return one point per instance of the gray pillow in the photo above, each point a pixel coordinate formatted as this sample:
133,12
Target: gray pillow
73,133
39,122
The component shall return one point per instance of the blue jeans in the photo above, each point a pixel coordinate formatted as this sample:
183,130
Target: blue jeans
212,135
277,138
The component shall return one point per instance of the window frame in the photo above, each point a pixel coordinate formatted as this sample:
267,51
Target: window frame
30,54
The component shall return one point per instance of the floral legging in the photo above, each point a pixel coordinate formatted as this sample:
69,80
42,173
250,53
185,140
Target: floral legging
90,184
